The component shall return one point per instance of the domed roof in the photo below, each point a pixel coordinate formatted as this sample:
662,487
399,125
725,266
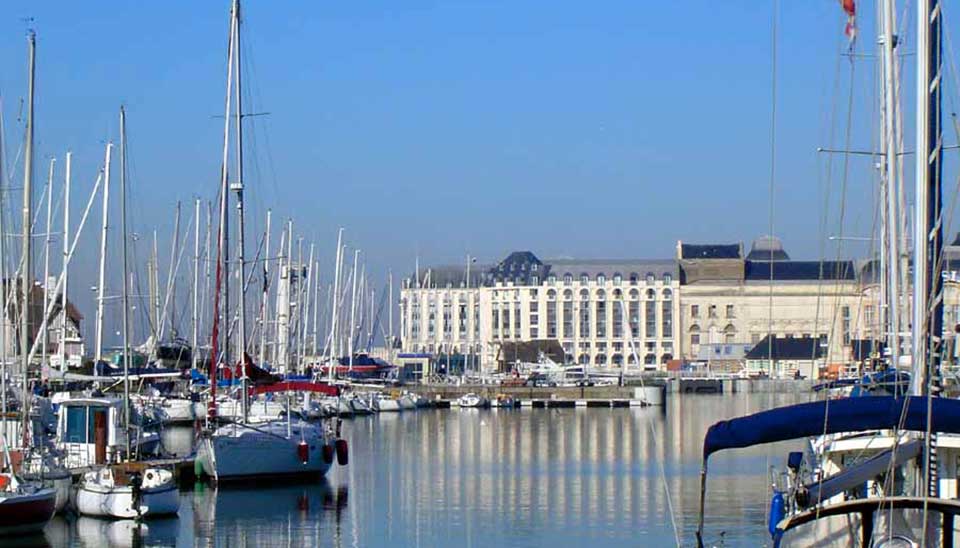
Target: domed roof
767,248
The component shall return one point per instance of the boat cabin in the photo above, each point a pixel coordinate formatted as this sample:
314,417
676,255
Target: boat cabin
89,431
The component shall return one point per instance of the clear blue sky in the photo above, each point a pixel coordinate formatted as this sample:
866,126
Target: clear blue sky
444,128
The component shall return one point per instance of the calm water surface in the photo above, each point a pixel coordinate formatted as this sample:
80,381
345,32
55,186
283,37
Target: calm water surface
554,478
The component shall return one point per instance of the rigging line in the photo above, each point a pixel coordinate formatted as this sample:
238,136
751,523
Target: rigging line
827,191
773,173
843,188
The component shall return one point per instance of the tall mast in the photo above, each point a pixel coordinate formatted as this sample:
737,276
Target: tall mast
928,306
390,315
101,285
237,187
890,145
195,315
26,285
3,276
353,309
265,298
46,256
221,310
315,309
125,305
66,251
334,357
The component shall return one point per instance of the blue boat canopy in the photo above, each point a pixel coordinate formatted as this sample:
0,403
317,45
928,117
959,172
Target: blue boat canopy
832,416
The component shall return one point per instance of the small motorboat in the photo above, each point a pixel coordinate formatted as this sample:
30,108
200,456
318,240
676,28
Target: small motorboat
407,401
126,493
504,401
360,406
25,507
473,400
385,404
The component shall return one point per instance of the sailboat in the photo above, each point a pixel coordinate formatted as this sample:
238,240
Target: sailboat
240,449
123,490
882,470
25,506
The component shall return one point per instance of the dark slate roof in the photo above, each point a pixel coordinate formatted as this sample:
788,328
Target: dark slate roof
610,267
519,267
453,275
803,348
710,251
800,270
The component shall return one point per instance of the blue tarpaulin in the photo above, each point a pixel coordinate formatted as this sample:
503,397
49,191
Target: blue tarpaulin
832,416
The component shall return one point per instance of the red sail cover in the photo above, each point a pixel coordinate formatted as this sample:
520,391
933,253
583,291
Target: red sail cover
296,386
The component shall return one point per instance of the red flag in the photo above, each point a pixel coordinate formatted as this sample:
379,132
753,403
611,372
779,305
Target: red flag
850,8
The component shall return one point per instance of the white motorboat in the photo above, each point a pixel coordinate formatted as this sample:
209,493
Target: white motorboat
407,401
238,451
385,404
336,406
359,406
473,400
504,401
126,493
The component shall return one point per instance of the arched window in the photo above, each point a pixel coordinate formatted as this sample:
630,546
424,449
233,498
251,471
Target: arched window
617,294
551,279
617,359
632,359
651,294
729,334
601,294
650,359
567,278
584,295
584,359
634,294
665,358
600,359
667,294
584,278
634,278
567,294
694,335
617,278
650,278
667,277
551,294
601,279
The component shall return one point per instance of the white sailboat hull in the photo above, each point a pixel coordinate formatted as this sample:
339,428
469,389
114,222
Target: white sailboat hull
96,498
238,452
387,405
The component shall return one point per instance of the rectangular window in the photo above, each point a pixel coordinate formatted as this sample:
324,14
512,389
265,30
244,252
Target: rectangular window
846,325
567,319
601,318
585,320
617,321
730,311
667,319
712,311
534,332
552,319
694,311
650,320
635,319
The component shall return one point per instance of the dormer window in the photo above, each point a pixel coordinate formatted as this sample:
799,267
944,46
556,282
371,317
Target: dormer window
650,278
601,279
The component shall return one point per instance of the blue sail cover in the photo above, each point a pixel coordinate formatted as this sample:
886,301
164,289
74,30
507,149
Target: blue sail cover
832,416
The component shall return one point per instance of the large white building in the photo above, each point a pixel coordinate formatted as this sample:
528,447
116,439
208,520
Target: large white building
707,303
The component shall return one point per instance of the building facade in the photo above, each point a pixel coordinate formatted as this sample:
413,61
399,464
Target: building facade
710,304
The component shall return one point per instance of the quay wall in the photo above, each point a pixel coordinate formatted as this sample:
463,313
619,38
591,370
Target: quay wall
673,386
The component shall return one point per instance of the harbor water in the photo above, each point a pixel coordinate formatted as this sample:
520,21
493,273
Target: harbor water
521,477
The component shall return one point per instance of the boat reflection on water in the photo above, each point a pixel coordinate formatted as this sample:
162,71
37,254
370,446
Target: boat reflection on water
86,531
285,512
